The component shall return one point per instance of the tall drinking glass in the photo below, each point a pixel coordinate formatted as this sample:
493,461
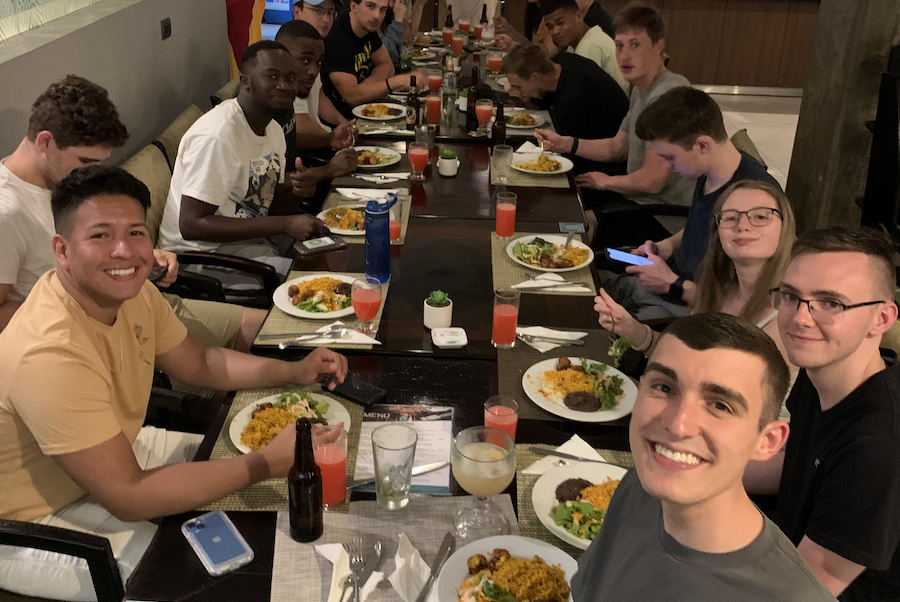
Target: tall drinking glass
330,451
506,214
484,464
495,60
426,133
484,110
502,413
418,159
506,317
456,44
435,79
501,162
393,450
365,297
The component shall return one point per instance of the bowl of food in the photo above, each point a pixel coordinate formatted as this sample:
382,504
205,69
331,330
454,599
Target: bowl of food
549,253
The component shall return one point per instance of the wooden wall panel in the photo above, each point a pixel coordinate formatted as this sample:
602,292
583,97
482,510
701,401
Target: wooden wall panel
752,39
798,40
694,37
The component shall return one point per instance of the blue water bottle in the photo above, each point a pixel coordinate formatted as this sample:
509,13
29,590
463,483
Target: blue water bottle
378,238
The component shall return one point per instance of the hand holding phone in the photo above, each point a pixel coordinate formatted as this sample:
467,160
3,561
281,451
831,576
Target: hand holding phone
627,257
356,390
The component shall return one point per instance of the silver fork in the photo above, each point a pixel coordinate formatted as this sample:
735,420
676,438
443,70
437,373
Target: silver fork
357,561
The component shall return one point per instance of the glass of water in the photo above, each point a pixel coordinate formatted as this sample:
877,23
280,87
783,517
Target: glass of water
501,162
393,448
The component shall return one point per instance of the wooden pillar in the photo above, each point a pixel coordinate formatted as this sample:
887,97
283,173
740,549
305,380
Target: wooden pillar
831,148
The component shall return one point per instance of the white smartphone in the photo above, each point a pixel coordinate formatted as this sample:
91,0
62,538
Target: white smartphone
217,542
627,257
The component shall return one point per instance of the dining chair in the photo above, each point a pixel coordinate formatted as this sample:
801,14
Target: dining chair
170,138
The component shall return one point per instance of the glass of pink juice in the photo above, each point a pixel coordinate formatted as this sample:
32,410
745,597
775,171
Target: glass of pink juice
494,62
394,224
478,29
502,413
456,44
484,110
433,108
418,160
506,214
465,25
330,451
447,34
365,297
506,316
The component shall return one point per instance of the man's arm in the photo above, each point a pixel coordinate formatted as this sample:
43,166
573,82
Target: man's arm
199,222
327,112
764,478
411,26
309,133
649,179
834,571
7,307
355,93
604,149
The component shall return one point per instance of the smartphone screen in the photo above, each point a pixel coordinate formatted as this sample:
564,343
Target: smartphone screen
627,257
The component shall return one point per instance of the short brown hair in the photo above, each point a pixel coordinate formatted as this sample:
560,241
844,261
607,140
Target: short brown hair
640,16
877,244
526,59
680,116
77,112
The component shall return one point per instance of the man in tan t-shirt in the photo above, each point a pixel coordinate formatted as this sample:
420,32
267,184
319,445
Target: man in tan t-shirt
76,366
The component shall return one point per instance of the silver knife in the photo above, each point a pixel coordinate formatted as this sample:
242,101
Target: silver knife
271,337
539,339
550,285
439,560
552,452
370,565
416,471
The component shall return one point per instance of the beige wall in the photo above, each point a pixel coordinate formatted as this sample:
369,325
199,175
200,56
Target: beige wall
119,47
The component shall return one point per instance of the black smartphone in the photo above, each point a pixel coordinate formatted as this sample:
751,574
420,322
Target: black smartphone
322,244
356,390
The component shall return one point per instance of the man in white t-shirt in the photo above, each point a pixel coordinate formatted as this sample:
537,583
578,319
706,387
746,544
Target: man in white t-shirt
62,135
228,191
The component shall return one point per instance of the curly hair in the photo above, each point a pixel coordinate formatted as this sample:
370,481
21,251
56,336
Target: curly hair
78,113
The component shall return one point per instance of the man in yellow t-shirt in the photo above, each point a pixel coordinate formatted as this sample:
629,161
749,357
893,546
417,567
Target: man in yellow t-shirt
76,366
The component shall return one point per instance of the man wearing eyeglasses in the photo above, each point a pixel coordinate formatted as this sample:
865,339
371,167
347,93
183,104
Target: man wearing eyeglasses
838,481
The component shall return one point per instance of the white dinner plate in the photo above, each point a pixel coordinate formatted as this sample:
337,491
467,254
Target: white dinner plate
518,158
424,56
284,303
395,156
358,111
455,569
538,122
533,381
341,231
556,240
543,495
336,413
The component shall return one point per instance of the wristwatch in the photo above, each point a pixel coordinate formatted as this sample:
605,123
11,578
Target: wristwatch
676,289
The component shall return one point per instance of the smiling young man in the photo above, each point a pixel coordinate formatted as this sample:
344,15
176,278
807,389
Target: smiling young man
680,526
838,480
685,128
357,67
76,368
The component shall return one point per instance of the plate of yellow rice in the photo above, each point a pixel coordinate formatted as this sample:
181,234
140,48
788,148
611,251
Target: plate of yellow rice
324,283
248,433
605,479
536,570
547,387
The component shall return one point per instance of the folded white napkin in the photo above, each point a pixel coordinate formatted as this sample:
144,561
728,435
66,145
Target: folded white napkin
549,278
355,338
386,178
575,446
392,131
462,104
337,555
411,573
540,331
529,147
366,194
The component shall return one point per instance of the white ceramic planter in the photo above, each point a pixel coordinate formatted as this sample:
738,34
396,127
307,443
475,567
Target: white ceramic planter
437,317
448,167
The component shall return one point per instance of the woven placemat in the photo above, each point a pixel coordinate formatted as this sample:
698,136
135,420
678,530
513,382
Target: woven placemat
272,494
529,524
517,178
279,322
512,364
404,201
506,272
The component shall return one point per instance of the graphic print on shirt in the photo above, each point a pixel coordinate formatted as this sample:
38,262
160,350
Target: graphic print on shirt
361,67
264,175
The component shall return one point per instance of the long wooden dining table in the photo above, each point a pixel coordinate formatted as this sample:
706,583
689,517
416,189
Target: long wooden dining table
447,247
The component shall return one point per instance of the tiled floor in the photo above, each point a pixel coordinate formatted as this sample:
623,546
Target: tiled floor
771,122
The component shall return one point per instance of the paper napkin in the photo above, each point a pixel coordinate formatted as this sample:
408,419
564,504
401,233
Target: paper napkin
529,147
386,178
548,278
411,573
575,446
354,338
365,194
387,130
540,331
337,555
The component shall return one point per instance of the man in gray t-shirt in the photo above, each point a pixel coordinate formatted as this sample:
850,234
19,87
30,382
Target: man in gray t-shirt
680,526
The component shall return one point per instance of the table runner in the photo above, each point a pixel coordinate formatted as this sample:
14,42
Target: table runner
506,272
517,178
272,494
298,573
512,364
529,524
404,201
279,322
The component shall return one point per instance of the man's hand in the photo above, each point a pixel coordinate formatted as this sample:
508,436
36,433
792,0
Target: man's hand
279,453
501,25
320,363
168,259
303,227
646,249
553,142
504,42
593,179
342,135
614,317
656,277
343,162
399,11
303,184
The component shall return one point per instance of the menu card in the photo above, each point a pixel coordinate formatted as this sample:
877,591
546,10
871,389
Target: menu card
433,424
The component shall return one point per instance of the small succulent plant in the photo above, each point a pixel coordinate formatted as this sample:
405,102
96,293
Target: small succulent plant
438,299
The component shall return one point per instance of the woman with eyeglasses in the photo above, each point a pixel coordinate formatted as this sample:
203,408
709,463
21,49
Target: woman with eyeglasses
749,250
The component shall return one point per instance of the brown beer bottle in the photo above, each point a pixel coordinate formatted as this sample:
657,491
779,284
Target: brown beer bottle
449,21
305,487
484,18
471,119
498,130
413,105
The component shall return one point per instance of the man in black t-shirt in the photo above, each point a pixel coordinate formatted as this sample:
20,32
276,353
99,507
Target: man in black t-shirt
357,67
838,481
